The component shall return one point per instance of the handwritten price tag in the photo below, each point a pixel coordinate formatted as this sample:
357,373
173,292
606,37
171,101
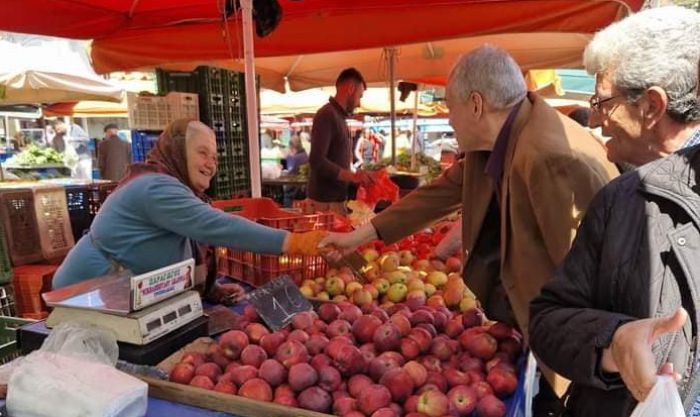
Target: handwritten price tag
278,301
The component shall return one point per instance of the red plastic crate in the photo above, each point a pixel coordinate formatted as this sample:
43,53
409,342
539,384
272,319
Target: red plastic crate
257,269
29,282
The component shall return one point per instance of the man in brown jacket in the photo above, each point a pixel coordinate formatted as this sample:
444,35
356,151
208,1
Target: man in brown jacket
528,175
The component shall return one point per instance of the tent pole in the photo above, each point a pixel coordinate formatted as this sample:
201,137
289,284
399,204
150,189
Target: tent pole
414,137
251,98
391,57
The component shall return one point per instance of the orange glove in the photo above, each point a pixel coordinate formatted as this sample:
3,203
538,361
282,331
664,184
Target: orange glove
305,243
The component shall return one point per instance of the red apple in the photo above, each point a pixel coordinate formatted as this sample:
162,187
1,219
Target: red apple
303,320
320,360
431,363
182,373
231,366
422,316
209,369
233,342
298,335
453,264
358,383
329,378
319,326
475,376
217,356
490,406
437,379
350,313
409,348
302,376
373,398
256,389
385,412
481,345
423,338
379,366
364,327
429,327
456,377
387,337
255,332
202,381
292,352
482,389
251,314
417,372
344,405
271,342
469,363
287,401
273,372
441,348
463,400
338,328
440,320
399,382
243,374
472,318
253,355
411,404
284,390
328,312
503,381
334,345
195,358
511,347
395,356
226,387
501,331
380,314
316,344
349,360
398,409
402,322
433,403
315,399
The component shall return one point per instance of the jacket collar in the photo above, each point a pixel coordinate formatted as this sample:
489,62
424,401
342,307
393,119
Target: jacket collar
675,177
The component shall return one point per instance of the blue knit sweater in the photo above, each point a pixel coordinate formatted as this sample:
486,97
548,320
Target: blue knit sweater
148,224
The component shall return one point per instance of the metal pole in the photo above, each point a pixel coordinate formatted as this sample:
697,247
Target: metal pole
414,140
391,57
251,98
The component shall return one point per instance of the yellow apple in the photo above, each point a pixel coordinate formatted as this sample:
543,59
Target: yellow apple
352,287
335,286
437,278
382,285
397,292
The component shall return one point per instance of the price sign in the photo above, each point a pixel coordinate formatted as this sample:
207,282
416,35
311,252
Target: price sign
278,301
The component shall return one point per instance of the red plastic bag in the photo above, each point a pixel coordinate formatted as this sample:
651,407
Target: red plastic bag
382,189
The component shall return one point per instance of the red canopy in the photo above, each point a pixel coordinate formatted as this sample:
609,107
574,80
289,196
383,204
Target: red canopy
131,34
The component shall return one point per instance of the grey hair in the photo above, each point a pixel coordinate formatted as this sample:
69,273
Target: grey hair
655,47
491,72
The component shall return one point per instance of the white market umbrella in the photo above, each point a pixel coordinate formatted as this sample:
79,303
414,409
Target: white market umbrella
37,69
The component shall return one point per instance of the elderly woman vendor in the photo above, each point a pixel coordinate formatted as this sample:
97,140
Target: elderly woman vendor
159,215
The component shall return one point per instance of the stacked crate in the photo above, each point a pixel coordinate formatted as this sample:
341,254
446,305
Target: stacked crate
222,107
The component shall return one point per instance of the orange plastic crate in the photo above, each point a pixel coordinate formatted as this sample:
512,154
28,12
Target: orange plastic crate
257,269
29,282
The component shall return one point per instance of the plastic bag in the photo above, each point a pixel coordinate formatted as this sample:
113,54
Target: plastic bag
73,374
663,400
382,189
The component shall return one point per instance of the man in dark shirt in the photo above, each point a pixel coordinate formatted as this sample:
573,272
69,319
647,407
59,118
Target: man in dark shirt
331,146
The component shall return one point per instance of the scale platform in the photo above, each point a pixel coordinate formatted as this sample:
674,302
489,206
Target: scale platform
31,336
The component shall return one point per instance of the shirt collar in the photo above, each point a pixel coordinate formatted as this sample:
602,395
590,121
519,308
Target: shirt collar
338,107
494,165
693,140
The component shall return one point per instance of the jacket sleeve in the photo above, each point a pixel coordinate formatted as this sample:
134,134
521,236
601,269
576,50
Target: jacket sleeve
568,329
422,207
321,138
561,188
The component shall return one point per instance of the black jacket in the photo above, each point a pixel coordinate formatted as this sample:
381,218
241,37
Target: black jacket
636,255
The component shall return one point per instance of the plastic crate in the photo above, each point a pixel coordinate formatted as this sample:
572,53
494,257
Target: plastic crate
7,301
21,229
183,105
83,203
142,141
257,269
147,112
53,222
9,349
29,282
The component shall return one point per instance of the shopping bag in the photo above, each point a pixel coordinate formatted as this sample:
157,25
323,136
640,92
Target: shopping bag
663,400
383,188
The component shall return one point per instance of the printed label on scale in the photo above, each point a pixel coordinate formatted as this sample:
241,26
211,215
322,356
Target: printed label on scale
152,287
278,301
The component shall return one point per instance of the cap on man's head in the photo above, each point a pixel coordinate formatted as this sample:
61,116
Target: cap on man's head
111,126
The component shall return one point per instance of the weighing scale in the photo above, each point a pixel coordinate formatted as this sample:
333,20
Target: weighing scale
138,309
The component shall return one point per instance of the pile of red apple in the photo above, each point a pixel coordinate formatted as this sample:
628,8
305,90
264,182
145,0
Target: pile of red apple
352,362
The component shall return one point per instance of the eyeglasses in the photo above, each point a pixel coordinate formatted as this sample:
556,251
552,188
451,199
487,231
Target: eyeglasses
596,102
